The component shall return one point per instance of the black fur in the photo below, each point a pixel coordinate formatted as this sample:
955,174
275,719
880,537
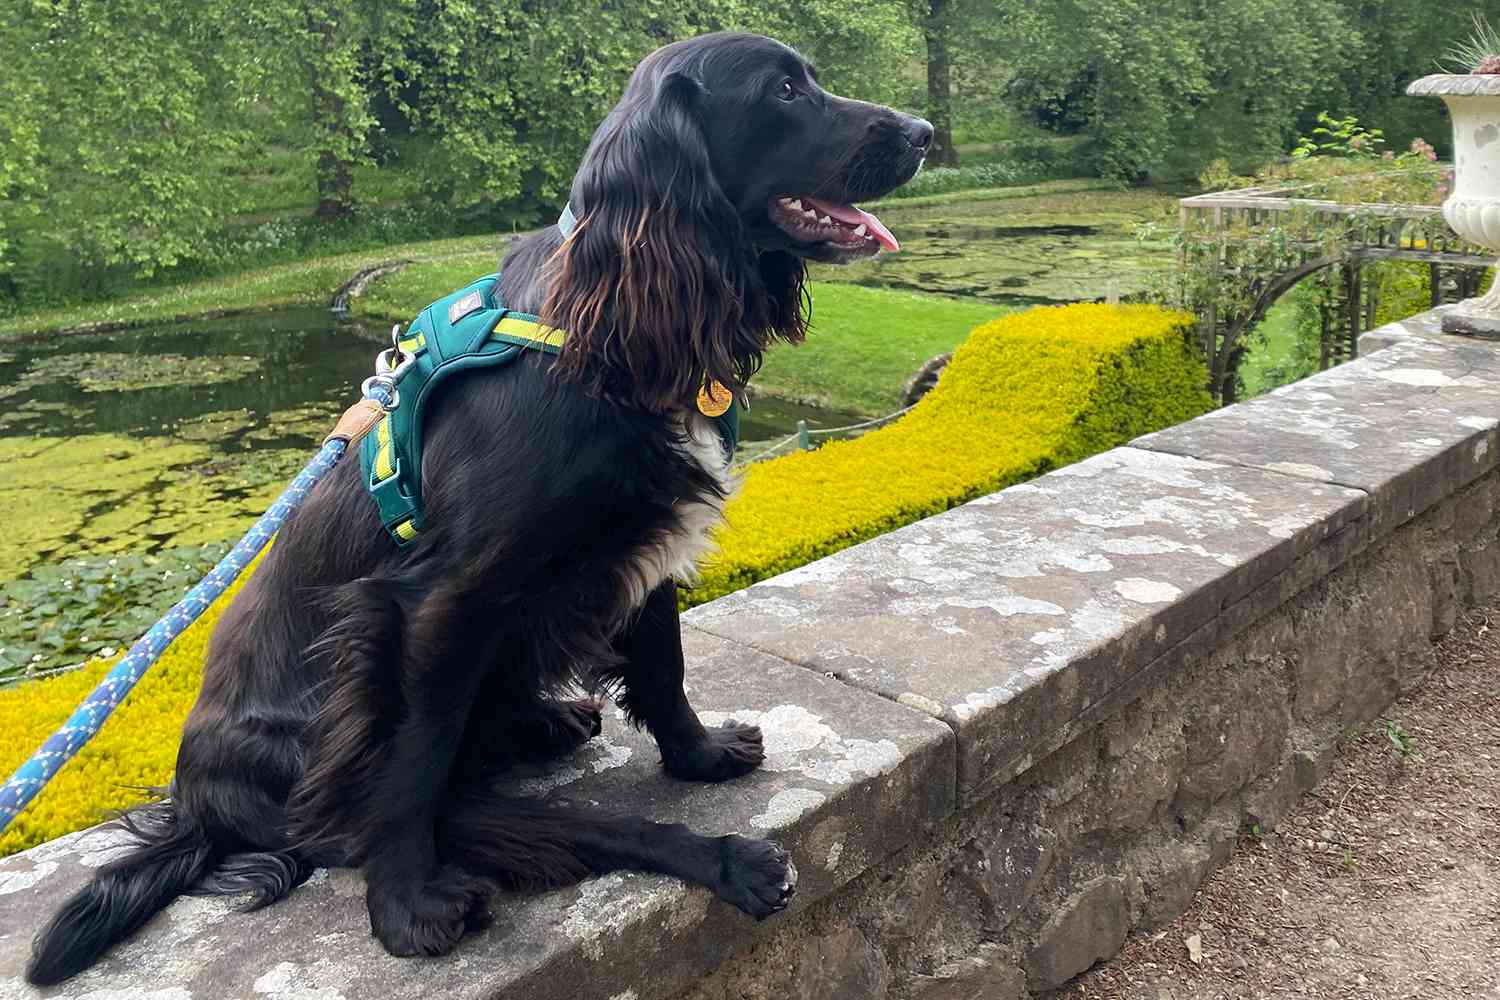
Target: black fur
359,702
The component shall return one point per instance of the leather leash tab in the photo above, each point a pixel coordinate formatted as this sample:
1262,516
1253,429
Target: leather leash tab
356,421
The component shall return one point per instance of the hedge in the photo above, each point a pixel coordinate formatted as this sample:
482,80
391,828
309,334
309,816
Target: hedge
1024,394
134,751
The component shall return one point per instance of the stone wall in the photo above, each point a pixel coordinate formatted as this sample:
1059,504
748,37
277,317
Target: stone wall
1115,830
999,740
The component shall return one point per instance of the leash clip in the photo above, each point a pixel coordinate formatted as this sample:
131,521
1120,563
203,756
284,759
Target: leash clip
390,365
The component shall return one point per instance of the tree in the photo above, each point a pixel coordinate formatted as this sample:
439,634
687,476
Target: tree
118,120
937,22
1396,42
1166,86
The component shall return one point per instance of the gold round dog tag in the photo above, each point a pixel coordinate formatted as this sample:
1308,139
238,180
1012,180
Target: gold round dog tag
714,399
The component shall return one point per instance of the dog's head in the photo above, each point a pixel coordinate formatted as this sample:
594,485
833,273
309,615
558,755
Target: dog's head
721,170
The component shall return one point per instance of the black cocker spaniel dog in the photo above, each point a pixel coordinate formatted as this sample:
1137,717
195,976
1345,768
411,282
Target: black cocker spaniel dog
360,699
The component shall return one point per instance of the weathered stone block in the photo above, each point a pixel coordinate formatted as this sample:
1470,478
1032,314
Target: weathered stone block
1409,425
1132,788
1233,729
1272,796
989,975
1170,874
1089,925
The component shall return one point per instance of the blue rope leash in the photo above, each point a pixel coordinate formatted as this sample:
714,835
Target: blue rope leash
85,721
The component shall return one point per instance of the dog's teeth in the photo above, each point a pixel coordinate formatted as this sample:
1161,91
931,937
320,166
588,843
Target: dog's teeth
826,221
810,214
795,204
859,230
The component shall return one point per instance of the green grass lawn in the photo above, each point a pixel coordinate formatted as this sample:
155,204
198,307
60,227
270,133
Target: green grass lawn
865,343
863,346
1274,362
304,283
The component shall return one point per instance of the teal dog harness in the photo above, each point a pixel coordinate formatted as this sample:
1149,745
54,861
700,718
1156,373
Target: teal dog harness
471,328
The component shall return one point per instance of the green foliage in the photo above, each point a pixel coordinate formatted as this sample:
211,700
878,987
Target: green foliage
1021,163
113,114
1230,265
1405,746
63,614
1401,289
1390,43
1165,87
1340,137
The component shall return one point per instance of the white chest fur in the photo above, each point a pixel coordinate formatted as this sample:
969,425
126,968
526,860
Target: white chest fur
675,550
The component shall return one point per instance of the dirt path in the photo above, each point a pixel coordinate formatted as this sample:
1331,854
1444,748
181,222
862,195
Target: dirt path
1383,883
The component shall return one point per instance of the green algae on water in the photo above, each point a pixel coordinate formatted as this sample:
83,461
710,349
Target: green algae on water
112,371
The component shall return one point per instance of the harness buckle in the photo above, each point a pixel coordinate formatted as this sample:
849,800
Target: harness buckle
390,365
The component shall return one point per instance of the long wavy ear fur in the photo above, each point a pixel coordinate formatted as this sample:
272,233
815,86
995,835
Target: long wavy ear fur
659,286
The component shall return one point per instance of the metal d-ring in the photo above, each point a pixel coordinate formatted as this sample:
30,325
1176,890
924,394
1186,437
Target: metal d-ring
385,381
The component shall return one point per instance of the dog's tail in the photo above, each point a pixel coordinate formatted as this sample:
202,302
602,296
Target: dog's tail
171,855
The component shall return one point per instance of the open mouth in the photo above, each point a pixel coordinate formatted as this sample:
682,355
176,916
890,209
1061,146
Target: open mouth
810,220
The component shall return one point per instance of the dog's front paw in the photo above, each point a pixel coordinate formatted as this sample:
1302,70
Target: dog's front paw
426,918
756,876
726,752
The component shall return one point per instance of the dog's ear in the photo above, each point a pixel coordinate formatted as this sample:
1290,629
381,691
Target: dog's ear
658,285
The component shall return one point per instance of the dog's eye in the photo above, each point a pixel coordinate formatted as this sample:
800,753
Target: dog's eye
786,91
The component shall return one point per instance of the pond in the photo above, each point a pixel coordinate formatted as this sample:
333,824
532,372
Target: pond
132,457
1023,251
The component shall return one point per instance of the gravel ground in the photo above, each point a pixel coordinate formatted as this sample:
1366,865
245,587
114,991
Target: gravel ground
1383,882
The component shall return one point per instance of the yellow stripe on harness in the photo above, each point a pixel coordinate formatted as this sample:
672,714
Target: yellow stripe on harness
534,333
384,457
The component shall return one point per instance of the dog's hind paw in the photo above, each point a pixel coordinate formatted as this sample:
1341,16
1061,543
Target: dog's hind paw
756,876
727,752
564,726
427,918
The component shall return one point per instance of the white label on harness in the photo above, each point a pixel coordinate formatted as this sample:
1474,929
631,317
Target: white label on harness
471,303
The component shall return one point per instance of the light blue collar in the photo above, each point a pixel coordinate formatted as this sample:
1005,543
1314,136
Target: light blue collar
567,222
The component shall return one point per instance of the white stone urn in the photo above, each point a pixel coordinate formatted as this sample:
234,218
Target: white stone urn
1473,210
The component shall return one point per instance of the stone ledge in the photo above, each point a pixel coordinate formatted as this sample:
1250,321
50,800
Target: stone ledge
849,779
1408,425
1012,616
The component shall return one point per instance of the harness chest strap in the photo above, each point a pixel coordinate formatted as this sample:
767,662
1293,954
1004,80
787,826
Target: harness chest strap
467,329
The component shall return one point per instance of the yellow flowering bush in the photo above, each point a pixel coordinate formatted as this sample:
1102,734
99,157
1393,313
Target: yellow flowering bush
135,750
1024,394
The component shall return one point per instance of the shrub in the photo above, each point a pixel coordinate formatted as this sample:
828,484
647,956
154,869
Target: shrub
1024,394
1016,163
134,751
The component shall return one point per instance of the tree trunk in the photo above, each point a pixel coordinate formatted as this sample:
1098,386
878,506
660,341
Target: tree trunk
939,90
335,172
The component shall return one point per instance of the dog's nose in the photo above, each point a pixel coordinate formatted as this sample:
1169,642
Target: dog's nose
918,132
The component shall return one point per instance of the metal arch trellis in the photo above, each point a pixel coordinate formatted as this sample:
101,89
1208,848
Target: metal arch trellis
1317,237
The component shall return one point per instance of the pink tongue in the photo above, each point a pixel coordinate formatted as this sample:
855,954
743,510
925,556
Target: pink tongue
854,217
